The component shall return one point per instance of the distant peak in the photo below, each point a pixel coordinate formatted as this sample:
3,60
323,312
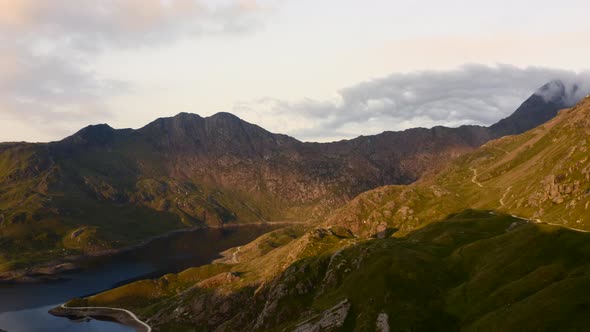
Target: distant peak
93,134
186,115
562,92
97,128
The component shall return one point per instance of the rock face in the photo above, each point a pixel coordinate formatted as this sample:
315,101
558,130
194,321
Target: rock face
383,322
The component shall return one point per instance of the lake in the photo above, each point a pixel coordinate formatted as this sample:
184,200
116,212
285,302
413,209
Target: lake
23,308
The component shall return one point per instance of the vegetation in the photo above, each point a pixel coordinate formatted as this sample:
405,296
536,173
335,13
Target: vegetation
542,175
103,188
473,271
477,246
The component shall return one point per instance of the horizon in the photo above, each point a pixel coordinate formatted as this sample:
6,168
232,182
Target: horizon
577,96
315,71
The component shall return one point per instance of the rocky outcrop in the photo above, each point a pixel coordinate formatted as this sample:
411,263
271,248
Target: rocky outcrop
382,322
329,320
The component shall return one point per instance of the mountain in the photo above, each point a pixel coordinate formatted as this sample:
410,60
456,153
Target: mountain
543,174
539,108
472,271
104,188
495,241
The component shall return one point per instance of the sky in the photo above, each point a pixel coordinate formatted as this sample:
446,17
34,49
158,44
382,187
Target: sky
318,70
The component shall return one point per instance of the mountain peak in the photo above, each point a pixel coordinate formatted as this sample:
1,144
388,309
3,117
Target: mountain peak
99,134
540,107
185,115
224,115
561,92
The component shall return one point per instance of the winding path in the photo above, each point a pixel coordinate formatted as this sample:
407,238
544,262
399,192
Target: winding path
132,315
234,256
474,178
539,221
570,228
504,196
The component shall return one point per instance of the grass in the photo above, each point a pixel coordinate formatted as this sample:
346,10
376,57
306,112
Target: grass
516,173
119,196
472,271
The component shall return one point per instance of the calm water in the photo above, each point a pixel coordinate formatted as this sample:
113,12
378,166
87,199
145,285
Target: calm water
23,308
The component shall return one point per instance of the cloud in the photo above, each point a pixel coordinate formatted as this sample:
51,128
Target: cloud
569,90
470,94
91,25
48,48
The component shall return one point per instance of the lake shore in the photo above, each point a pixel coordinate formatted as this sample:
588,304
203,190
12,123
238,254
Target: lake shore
118,315
55,270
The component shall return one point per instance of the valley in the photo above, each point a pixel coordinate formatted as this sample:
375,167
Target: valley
294,166
413,242
475,246
103,189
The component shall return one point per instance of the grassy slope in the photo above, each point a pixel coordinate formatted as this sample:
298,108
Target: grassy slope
542,174
473,271
38,222
53,205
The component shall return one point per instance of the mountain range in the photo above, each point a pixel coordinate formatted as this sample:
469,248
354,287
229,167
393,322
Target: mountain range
104,188
495,240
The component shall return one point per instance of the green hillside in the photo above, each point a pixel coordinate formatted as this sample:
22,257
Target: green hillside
469,248
543,175
473,271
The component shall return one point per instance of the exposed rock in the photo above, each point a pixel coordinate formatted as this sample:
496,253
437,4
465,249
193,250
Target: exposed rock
272,302
557,199
329,320
77,232
382,322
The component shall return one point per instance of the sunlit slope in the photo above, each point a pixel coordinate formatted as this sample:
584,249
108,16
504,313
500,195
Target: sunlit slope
473,271
543,174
